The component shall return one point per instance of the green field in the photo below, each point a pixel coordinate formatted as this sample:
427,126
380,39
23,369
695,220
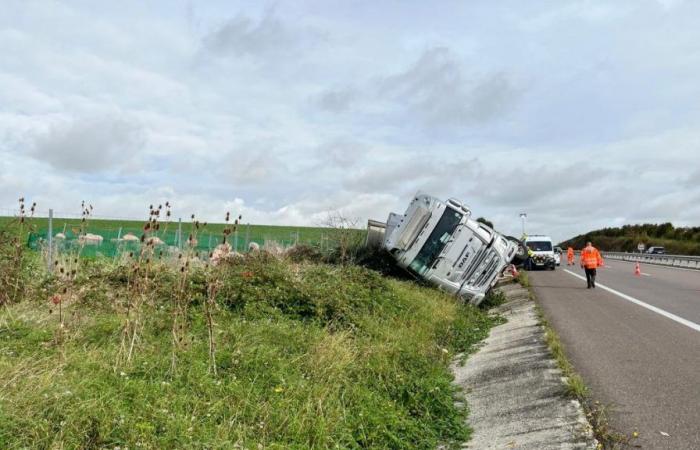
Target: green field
208,236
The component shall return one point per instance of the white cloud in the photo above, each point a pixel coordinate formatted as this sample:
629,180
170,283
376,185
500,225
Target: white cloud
583,114
92,145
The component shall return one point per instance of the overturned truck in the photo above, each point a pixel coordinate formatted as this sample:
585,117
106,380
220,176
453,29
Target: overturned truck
440,243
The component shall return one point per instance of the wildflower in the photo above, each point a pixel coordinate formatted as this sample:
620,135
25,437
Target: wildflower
55,299
445,351
247,274
279,389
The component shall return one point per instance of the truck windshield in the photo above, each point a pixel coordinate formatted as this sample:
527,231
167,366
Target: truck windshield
436,241
539,246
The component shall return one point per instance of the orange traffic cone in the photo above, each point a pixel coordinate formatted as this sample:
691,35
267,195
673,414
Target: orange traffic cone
637,270
514,271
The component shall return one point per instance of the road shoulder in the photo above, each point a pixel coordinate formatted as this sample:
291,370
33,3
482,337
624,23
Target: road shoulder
515,390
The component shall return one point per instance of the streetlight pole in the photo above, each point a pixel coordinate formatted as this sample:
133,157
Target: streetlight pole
523,217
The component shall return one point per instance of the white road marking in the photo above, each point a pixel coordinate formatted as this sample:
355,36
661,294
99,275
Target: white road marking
653,308
646,274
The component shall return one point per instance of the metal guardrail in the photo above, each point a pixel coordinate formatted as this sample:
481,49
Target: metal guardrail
688,262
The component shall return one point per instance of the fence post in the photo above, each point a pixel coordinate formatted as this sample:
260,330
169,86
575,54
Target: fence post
247,237
179,233
50,239
209,245
119,234
235,239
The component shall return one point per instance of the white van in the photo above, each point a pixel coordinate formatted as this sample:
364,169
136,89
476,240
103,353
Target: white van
541,252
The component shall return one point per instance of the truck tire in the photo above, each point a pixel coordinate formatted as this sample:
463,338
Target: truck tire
521,254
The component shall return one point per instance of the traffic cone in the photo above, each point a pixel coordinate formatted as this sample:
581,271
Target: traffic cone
637,270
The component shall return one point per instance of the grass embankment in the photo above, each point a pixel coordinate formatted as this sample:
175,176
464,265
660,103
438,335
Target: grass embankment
307,356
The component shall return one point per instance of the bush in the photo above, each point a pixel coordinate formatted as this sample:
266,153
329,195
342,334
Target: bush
308,356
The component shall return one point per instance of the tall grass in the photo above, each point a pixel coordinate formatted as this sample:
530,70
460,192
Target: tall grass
307,356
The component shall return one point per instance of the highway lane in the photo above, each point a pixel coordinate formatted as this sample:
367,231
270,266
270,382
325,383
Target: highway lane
644,364
675,290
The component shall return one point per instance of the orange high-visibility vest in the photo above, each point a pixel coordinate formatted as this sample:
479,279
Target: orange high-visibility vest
570,253
590,258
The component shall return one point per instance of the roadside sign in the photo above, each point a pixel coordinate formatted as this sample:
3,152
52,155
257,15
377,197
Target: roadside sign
641,247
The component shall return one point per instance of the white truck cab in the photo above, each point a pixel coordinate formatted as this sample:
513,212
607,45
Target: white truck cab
440,242
541,251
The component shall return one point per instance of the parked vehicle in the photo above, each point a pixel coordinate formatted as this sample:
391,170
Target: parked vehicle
656,250
542,252
440,242
557,255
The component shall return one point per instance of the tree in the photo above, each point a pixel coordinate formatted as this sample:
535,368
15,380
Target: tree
488,223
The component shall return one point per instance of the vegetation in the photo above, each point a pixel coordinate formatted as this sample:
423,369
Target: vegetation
321,236
486,222
257,351
680,241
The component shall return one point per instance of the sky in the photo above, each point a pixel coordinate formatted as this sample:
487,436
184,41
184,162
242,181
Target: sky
583,114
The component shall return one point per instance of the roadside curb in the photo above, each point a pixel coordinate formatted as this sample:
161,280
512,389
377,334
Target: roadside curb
515,391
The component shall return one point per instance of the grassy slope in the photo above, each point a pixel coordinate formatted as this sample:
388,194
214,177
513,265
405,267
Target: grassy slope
309,356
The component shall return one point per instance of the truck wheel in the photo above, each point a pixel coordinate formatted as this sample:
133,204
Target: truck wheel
521,254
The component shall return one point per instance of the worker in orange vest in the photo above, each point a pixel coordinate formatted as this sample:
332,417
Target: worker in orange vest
570,256
590,261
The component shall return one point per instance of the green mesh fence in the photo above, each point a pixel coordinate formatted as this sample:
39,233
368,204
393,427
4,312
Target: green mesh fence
113,242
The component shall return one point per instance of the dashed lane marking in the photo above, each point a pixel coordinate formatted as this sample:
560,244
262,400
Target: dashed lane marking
653,308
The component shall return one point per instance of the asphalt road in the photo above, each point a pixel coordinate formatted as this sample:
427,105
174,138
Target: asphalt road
642,361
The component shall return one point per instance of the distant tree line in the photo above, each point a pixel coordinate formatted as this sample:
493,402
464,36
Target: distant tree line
676,240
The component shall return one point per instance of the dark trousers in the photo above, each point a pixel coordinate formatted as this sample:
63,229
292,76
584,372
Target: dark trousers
590,277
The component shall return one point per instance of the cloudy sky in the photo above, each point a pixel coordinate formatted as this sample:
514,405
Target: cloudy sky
582,113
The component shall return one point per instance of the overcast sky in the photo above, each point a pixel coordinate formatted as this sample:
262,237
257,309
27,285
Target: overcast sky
584,114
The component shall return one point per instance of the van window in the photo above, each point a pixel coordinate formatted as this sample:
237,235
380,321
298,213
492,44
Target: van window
436,241
539,246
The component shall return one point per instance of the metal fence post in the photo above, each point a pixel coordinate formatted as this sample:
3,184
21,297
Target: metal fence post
235,239
49,258
179,233
247,237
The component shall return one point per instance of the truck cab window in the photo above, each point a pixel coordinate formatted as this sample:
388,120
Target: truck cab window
436,242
